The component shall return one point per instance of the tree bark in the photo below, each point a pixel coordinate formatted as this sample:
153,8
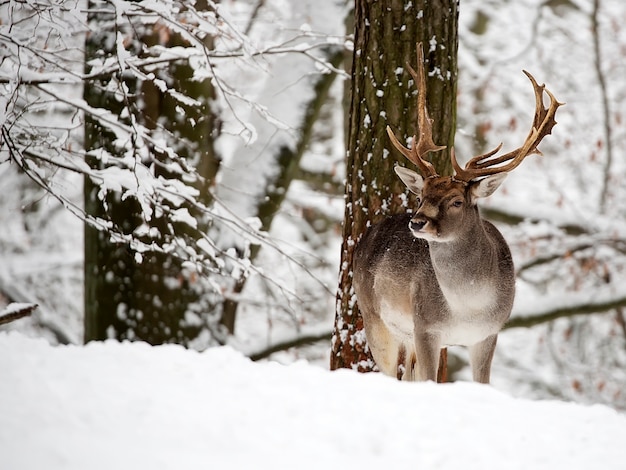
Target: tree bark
386,34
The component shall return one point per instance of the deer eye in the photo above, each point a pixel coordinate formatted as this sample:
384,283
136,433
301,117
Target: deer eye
457,203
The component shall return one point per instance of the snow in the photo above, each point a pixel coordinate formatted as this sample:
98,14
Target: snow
130,405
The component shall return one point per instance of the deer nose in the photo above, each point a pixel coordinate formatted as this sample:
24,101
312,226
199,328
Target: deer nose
417,225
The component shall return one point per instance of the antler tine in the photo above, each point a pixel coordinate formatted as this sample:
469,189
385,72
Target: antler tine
425,143
474,162
543,122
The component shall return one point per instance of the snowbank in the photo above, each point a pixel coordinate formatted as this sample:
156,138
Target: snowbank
129,405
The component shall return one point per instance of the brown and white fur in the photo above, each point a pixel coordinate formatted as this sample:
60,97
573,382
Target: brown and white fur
441,276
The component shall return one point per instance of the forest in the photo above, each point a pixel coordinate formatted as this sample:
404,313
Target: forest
173,171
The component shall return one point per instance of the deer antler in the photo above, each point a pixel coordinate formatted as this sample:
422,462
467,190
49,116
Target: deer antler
543,122
425,143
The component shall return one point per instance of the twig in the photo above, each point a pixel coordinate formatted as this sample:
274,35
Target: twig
296,341
606,110
15,311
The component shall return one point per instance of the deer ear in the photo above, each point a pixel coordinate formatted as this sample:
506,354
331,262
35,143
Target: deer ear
487,186
411,179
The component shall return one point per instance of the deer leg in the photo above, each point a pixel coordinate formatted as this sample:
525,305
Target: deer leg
383,345
481,355
407,361
427,347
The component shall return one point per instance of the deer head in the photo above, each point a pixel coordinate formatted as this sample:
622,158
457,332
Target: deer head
448,203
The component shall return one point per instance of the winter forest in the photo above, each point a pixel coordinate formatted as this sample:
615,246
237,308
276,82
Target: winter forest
173,171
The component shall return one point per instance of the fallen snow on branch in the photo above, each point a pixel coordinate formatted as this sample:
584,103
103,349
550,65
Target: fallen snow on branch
15,311
129,405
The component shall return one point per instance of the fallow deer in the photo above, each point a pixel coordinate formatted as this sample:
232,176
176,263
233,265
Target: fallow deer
441,275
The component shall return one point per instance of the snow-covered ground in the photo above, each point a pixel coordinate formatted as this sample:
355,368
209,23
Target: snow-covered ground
129,405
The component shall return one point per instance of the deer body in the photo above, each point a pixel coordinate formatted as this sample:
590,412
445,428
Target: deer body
442,275
442,294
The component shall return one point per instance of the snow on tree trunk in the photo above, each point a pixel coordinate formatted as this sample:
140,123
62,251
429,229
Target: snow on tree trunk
383,94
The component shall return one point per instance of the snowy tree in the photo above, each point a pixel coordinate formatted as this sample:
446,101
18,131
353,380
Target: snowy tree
151,296
386,34
166,108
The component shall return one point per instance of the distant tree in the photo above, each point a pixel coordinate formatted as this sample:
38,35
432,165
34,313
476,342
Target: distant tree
160,296
166,257
383,93
151,296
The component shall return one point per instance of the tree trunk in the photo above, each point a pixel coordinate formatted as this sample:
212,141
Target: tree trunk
386,33
149,297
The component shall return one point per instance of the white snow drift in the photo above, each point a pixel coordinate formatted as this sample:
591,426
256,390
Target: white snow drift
129,405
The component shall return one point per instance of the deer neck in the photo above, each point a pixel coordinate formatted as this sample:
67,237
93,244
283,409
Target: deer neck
470,259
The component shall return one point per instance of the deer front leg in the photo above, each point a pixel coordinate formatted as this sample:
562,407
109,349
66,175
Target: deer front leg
427,347
481,355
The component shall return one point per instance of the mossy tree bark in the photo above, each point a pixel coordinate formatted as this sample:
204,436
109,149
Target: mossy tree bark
386,34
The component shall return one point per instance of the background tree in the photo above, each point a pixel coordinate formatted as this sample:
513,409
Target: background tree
166,252
383,94
152,297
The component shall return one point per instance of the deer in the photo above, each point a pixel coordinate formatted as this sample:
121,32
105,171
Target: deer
440,275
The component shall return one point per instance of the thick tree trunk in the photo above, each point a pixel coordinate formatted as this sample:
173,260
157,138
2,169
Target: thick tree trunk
386,33
152,297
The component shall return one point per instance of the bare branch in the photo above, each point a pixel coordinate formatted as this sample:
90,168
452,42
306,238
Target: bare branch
606,106
299,339
589,308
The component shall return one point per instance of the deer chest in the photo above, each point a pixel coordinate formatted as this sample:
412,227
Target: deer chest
471,313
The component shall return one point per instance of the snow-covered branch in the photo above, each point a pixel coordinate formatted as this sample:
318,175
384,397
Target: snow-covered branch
562,309
15,311
153,86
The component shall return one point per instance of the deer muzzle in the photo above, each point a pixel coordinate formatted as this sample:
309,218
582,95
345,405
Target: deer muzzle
424,221
416,226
